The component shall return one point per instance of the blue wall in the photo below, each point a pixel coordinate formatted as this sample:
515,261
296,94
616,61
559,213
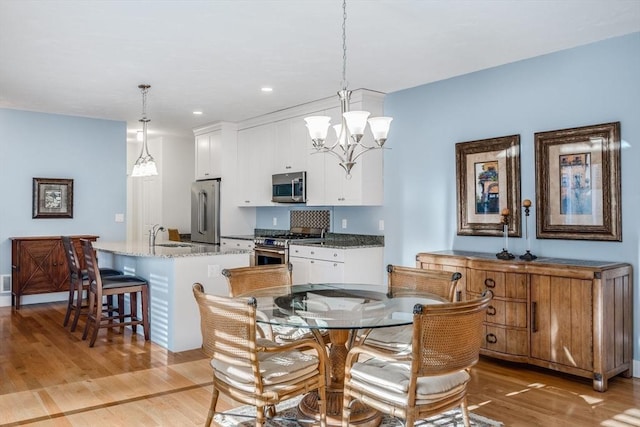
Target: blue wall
91,152
588,85
593,84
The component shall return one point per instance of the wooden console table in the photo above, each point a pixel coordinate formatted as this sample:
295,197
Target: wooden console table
39,265
573,316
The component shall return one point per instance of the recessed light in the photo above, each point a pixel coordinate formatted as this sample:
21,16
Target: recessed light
267,89
197,113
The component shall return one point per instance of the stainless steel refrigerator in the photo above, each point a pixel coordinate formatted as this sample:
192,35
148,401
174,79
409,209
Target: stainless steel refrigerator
205,211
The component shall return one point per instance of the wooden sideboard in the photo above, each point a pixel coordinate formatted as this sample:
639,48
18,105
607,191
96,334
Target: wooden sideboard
38,265
573,316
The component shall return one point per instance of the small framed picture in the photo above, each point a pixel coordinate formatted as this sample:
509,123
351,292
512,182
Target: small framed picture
488,182
52,198
578,183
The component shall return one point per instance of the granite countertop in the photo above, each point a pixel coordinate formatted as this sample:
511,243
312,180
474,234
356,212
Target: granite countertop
347,241
171,250
240,237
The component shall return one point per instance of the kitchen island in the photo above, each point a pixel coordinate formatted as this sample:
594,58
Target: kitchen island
171,269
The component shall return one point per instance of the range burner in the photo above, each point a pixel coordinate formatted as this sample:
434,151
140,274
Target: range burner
283,239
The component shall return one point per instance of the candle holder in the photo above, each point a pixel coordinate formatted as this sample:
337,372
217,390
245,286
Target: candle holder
527,256
505,254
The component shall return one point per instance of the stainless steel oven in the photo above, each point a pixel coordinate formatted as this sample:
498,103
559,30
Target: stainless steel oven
266,256
274,249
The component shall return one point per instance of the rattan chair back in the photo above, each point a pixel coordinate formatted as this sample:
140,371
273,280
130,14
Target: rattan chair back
228,327
447,337
229,338
446,344
437,282
243,280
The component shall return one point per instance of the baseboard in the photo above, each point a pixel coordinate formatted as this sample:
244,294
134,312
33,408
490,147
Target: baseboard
5,300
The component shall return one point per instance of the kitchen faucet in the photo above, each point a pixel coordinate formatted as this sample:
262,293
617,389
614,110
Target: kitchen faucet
153,232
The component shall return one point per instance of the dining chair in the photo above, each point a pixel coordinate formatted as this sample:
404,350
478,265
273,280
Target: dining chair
79,283
113,286
252,370
440,283
243,280
429,380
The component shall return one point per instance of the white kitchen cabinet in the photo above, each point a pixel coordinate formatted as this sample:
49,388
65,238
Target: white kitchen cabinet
230,243
279,143
255,158
319,264
224,136
290,146
208,155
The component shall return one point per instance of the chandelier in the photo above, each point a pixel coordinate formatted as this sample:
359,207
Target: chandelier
348,146
145,164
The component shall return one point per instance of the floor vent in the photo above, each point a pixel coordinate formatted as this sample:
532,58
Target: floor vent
5,284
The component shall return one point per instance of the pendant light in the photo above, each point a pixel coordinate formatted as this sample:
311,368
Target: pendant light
348,146
145,164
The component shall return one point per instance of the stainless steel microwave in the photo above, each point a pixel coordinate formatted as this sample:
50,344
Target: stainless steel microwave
289,187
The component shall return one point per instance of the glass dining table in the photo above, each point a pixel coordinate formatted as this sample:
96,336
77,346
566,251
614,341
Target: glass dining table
345,311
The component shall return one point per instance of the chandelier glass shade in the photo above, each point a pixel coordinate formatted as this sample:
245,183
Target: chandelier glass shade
145,165
348,145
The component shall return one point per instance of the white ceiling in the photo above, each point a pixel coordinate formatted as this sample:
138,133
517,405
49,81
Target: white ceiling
87,57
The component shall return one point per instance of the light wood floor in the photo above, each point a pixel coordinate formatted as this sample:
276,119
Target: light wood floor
50,377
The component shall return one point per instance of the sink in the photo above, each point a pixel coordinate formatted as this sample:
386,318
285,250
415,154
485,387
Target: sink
174,245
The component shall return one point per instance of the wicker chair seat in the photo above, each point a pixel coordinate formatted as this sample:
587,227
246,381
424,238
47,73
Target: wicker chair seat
396,338
285,334
275,368
390,381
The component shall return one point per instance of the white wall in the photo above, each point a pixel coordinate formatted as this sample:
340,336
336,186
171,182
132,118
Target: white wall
177,174
163,199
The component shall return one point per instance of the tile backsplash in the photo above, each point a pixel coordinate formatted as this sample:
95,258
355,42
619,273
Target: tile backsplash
310,218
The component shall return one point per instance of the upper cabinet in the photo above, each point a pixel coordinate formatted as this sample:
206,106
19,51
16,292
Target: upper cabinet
255,159
291,146
279,143
208,155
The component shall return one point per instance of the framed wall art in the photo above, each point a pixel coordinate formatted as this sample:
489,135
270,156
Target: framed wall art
488,182
52,198
578,183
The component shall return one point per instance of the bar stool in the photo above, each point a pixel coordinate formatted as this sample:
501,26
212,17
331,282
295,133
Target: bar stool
78,283
110,286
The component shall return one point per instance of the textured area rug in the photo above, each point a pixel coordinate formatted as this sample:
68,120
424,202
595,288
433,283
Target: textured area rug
244,416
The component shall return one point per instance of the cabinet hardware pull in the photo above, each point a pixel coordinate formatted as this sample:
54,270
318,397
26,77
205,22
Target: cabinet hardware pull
491,338
490,283
491,311
534,316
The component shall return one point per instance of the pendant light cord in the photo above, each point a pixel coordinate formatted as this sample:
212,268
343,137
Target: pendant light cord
344,45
